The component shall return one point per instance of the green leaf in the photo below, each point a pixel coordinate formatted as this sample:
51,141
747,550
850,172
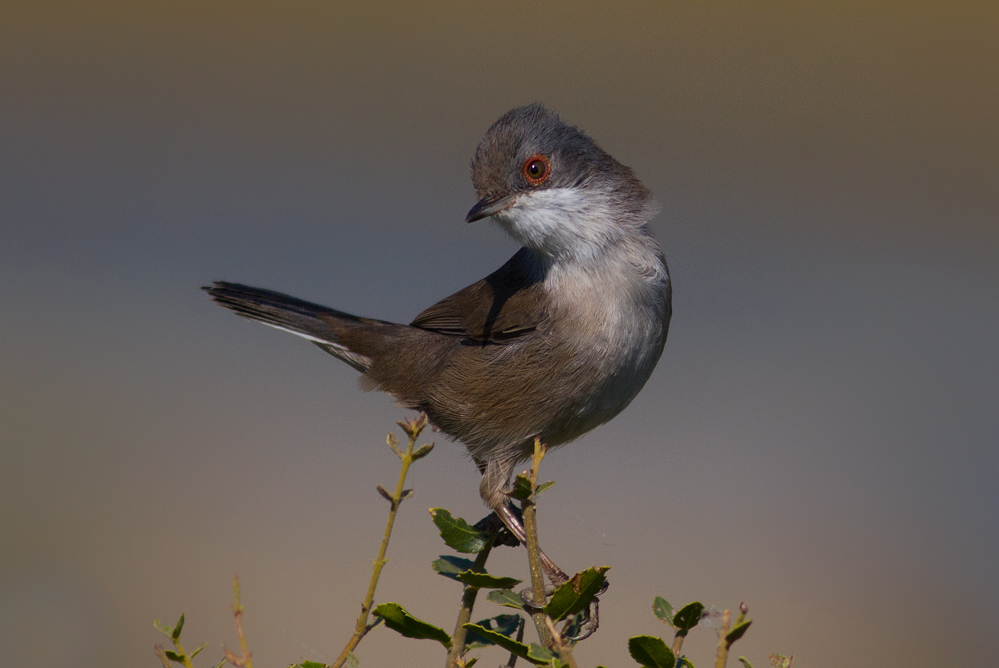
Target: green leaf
173,656
737,632
486,581
651,652
543,486
163,628
195,652
400,621
471,662
450,566
314,664
521,488
662,610
488,636
576,594
539,655
533,653
687,617
422,451
221,663
506,625
745,662
685,663
507,598
457,533
176,629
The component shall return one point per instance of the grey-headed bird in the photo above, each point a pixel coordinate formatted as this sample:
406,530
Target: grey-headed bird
555,342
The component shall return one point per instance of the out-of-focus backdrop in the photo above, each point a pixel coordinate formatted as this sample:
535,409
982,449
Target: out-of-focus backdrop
820,440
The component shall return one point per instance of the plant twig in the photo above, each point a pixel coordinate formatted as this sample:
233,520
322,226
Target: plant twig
467,603
562,648
161,653
166,656
723,644
677,644
406,457
534,550
244,661
520,638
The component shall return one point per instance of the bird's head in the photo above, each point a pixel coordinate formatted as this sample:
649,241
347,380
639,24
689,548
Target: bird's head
553,189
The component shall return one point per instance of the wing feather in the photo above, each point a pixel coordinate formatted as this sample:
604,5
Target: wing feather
500,308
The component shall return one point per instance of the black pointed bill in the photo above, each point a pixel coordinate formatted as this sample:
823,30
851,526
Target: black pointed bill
489,206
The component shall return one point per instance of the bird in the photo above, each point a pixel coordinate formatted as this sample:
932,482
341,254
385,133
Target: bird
554,343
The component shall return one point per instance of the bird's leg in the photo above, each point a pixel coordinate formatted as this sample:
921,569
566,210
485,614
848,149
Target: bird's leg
516,527
494,491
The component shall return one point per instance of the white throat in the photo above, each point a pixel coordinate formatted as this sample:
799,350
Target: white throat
566,224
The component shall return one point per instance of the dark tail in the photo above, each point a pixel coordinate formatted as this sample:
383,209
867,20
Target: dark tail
319,324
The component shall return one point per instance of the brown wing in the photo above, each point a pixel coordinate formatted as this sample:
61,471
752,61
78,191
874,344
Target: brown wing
501,307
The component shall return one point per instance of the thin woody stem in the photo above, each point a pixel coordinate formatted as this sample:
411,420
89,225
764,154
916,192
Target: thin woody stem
534,550
520,638
722,656
678,643
467,603
563,649
412,429
180,651
161,653
237,612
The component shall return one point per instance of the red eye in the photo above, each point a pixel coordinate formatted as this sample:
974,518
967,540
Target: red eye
536,169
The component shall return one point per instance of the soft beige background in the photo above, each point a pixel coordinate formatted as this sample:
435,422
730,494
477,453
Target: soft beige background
821,438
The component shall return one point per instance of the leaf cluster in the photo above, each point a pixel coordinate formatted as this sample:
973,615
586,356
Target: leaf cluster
177,655
500,630
569,603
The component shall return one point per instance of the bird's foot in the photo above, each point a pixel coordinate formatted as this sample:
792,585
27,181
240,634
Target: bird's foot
527,596
580,627
584,624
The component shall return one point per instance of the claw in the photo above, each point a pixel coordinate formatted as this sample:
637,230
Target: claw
527,596
589,622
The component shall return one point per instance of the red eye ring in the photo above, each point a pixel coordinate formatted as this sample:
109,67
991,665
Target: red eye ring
537,169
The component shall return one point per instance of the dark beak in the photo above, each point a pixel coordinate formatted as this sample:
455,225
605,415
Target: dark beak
489,206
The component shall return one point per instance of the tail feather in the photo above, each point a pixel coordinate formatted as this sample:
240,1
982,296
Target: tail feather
319,324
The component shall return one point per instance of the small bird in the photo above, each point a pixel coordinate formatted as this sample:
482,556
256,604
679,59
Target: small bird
555,342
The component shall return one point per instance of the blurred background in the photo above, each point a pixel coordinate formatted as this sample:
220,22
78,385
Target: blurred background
820,439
